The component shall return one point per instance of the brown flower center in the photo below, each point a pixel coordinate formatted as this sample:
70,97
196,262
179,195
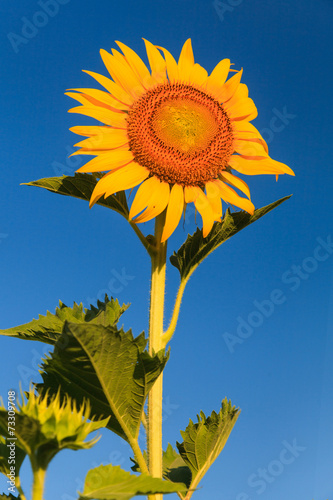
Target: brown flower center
182,135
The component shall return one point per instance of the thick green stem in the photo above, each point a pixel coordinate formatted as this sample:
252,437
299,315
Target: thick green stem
155,344
38,483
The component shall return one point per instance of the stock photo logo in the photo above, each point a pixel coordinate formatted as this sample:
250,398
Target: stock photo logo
263,477
263,309
31,25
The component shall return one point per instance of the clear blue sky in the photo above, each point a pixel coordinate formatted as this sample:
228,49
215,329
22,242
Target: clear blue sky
54,247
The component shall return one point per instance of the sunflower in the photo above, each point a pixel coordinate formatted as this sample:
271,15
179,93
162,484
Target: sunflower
175,132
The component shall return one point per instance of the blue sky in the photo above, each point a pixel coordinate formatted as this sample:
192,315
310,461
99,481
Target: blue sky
270,286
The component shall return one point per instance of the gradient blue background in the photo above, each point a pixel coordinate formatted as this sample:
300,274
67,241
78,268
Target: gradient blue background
54,247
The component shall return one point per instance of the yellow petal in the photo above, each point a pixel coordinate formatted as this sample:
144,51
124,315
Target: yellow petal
124,178
229,88
241,93
198,76
230,196
236,182
171,65
249,148
122,74
206,211
191,193
245,131
89,130
157,197
156,62
107,161
108,139
174,211
103,115
103,97
115,90
218,77
214,199
135,62
142,197
118,55
186,61
241,109
257,166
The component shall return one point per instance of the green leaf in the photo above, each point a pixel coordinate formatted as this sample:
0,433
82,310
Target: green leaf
44,426
9,497
81,186
7,448
196,248
109,367
204,441
108,482
48,328
174,467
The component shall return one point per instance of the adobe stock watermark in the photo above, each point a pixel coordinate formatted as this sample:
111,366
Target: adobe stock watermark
116,285
30,27
263,477
279,121
221,8
264,308
71,164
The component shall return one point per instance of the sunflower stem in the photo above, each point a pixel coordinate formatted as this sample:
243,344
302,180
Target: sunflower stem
158,261
38,482
166,337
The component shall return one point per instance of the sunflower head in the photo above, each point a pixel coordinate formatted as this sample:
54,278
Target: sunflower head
175,132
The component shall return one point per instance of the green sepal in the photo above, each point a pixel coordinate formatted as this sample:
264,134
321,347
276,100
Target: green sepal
109,367
48,328
196,248
203,441
45,425
108,482
5,456
81,186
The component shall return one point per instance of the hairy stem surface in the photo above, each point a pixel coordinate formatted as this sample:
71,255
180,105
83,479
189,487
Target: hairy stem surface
158,261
